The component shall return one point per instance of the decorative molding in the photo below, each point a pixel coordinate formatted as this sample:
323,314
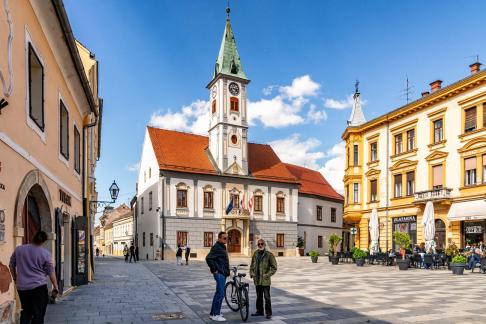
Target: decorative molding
7,90
403,164
436,156
437,112
402,127
481,96
372,173
476,143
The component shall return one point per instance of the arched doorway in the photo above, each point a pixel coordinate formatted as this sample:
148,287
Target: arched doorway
440,234
234,241
31,218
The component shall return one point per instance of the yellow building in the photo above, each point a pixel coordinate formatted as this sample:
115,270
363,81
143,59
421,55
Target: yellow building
432,149
49,135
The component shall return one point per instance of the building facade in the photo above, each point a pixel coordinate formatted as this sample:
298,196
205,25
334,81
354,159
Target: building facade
115,229
122,233
48,105
432,149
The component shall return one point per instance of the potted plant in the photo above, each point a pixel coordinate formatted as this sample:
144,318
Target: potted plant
333,241
352,253
360,256
458,264
314,256
451,252
403,241
300,245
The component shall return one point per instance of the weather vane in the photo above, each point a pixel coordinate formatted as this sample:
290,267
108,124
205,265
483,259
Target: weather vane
356,86
228,10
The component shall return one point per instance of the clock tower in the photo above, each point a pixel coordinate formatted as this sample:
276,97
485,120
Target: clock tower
228,126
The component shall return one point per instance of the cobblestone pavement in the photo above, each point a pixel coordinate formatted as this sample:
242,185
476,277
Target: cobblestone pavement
323,293
122,293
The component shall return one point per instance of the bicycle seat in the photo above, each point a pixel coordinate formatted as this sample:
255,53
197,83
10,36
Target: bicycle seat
243,265
241,275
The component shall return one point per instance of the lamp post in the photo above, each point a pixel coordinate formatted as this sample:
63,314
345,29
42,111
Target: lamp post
114,191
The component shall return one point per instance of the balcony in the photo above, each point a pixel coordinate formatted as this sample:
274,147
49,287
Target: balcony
182,212
432,195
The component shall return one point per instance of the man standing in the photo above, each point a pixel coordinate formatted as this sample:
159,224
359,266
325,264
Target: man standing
263,266
132,253
29,265
218,263
187,253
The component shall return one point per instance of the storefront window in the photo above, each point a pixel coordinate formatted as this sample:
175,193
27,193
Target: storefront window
405,224
473,232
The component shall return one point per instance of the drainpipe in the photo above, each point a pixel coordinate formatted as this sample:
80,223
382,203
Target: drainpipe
387,178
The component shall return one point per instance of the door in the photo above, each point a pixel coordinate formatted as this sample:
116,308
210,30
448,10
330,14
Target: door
440,234
59,249
32,219
234,241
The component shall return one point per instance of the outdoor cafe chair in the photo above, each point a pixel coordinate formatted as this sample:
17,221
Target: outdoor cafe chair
428,261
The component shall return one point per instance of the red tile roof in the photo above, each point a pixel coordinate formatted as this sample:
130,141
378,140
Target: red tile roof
184,152
313,182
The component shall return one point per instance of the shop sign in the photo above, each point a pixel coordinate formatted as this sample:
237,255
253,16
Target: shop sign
64,197
474,229
404,219
2,226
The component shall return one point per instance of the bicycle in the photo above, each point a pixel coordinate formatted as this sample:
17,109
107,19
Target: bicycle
236,293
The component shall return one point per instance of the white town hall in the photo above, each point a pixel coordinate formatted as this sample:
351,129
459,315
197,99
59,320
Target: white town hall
191,187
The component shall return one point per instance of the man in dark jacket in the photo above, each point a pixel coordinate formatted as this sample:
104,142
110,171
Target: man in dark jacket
218,263
263,266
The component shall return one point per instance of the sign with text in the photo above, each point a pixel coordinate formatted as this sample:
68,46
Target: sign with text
404,219
476,229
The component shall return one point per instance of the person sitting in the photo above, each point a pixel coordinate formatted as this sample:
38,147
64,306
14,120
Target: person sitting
474,259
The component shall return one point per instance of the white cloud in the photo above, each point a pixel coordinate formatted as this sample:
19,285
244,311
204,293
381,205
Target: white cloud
339,104
268,90
315,115
296,151
333,169
193,118
301,87
276,112
134,167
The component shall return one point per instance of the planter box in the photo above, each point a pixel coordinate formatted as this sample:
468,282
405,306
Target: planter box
457,268
403,264
301,252
360,262
334,259
314,259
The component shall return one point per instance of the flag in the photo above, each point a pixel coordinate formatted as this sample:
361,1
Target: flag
230,206
250,203
242,201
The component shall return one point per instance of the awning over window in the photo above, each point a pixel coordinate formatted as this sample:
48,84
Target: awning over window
467,210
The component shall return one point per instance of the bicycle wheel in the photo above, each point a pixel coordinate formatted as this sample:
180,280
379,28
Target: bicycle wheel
244,303
231,296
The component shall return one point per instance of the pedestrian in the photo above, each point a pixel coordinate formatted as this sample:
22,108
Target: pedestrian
179,255
30,264
125,252
132,253
218,263
97,252
263,266
187,253
136,252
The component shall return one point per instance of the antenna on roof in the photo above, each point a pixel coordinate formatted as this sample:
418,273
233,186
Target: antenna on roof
407,92
474,56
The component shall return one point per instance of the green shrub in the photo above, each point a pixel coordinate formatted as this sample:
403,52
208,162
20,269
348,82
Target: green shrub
313,253
359,254
459,259
402,240
300,242
334,241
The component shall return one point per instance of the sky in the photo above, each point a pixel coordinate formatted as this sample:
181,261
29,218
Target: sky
302,57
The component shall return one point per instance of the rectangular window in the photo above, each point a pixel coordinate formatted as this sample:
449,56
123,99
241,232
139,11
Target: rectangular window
151,239
36,89
470,120
181,198
150,200
280,205
141,203
484,115
208,199
373,190
356,193
236,200
77,151
347,157
143,239
234,105
398,185
64,130
347,194
208,239
333,214
438,131
355,155
258,201
319,213
374,152
182,238
484,168
470,171
280,240
398,144
437,177
319,242
410,183
410,139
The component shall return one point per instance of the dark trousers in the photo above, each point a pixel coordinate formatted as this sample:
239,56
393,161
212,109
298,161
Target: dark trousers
134,258
263,291
126,257
187,258
34,305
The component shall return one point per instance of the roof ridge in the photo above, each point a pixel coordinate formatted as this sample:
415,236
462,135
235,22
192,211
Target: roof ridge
177,131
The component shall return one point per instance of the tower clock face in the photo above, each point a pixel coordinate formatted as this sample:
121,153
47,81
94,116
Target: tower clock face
234,89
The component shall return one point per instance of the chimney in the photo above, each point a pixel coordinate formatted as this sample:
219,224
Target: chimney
425,93
475,67
436,85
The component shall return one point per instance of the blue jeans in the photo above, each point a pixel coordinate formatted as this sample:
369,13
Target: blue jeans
472,262
218,295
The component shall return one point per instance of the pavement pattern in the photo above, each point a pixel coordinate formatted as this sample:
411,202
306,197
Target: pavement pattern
302,292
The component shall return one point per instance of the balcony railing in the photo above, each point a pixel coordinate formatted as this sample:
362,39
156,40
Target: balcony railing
434,194
184,212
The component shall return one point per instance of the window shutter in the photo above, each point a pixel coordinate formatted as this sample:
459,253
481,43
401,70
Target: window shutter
437,175
410,176
470,164
373,187
470,119
484,159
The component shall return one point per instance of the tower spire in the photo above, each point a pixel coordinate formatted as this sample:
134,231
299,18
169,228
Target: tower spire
357,117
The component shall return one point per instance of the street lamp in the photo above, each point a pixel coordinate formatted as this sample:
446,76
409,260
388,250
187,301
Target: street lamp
114,191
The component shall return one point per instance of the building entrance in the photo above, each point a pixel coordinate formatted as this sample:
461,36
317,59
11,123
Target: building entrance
234,241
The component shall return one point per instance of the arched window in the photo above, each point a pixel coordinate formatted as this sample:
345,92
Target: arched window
234,104
440,234
181,195
208,197
280,203
213,107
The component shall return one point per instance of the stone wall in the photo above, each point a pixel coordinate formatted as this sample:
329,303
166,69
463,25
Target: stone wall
268,230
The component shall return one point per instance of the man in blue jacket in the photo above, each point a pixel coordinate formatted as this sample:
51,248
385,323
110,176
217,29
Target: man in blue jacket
218,263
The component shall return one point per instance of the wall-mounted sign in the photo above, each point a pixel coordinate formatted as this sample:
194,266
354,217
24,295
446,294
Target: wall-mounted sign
404,219
64,197
353,230
477,229
2,226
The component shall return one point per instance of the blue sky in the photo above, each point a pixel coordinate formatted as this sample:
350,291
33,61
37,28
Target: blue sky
303,58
